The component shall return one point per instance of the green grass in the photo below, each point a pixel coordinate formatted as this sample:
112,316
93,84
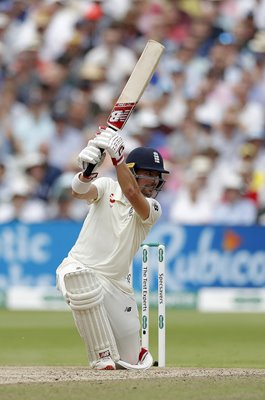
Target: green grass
193,339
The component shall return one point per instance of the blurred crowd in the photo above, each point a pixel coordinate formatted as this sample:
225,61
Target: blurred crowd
63,64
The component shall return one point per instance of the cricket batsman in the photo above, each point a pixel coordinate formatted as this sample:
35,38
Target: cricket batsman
93,277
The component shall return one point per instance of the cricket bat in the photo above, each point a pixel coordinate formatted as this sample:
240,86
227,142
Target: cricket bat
134,88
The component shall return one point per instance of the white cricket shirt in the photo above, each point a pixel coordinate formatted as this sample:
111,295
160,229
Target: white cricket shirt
112,233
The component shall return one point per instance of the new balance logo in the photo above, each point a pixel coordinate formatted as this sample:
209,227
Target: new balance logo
104,354
119,115
128,309
156,208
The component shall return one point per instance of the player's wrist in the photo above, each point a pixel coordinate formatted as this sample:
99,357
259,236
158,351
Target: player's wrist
117,161
81,183
89,178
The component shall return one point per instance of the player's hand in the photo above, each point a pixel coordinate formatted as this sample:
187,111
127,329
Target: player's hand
91,154
111,141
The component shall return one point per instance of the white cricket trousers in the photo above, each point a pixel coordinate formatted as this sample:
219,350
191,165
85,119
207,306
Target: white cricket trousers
122,313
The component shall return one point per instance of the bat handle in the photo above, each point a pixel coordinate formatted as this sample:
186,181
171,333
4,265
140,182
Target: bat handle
88,171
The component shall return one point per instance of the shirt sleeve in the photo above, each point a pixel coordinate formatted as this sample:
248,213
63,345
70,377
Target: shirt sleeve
101,185
155,212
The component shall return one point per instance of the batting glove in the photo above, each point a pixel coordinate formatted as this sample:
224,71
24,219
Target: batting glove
90,155
111,141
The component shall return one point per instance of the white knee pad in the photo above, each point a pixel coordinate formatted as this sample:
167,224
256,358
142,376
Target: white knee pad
85,296
87,299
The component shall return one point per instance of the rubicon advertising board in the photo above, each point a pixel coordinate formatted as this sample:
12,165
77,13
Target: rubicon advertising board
196,257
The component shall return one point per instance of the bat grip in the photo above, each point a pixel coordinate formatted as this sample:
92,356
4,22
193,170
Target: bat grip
88,171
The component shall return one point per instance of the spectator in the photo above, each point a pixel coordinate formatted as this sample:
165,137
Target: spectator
173,107
186,141
41,176
234,209
5,183
227,136
207,92
192,204
63,207
252,173
21,207
251,113
65,143
257,140
63,17
62,204
34,127
117,60
146,128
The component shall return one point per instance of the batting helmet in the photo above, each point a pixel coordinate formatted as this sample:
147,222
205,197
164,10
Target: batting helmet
146,158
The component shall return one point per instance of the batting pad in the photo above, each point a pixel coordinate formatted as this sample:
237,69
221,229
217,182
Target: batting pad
85,295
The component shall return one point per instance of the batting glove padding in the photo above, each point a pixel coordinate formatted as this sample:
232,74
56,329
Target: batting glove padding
111,141
90,155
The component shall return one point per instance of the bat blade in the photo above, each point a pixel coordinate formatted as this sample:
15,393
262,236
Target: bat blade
136,84
134,88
